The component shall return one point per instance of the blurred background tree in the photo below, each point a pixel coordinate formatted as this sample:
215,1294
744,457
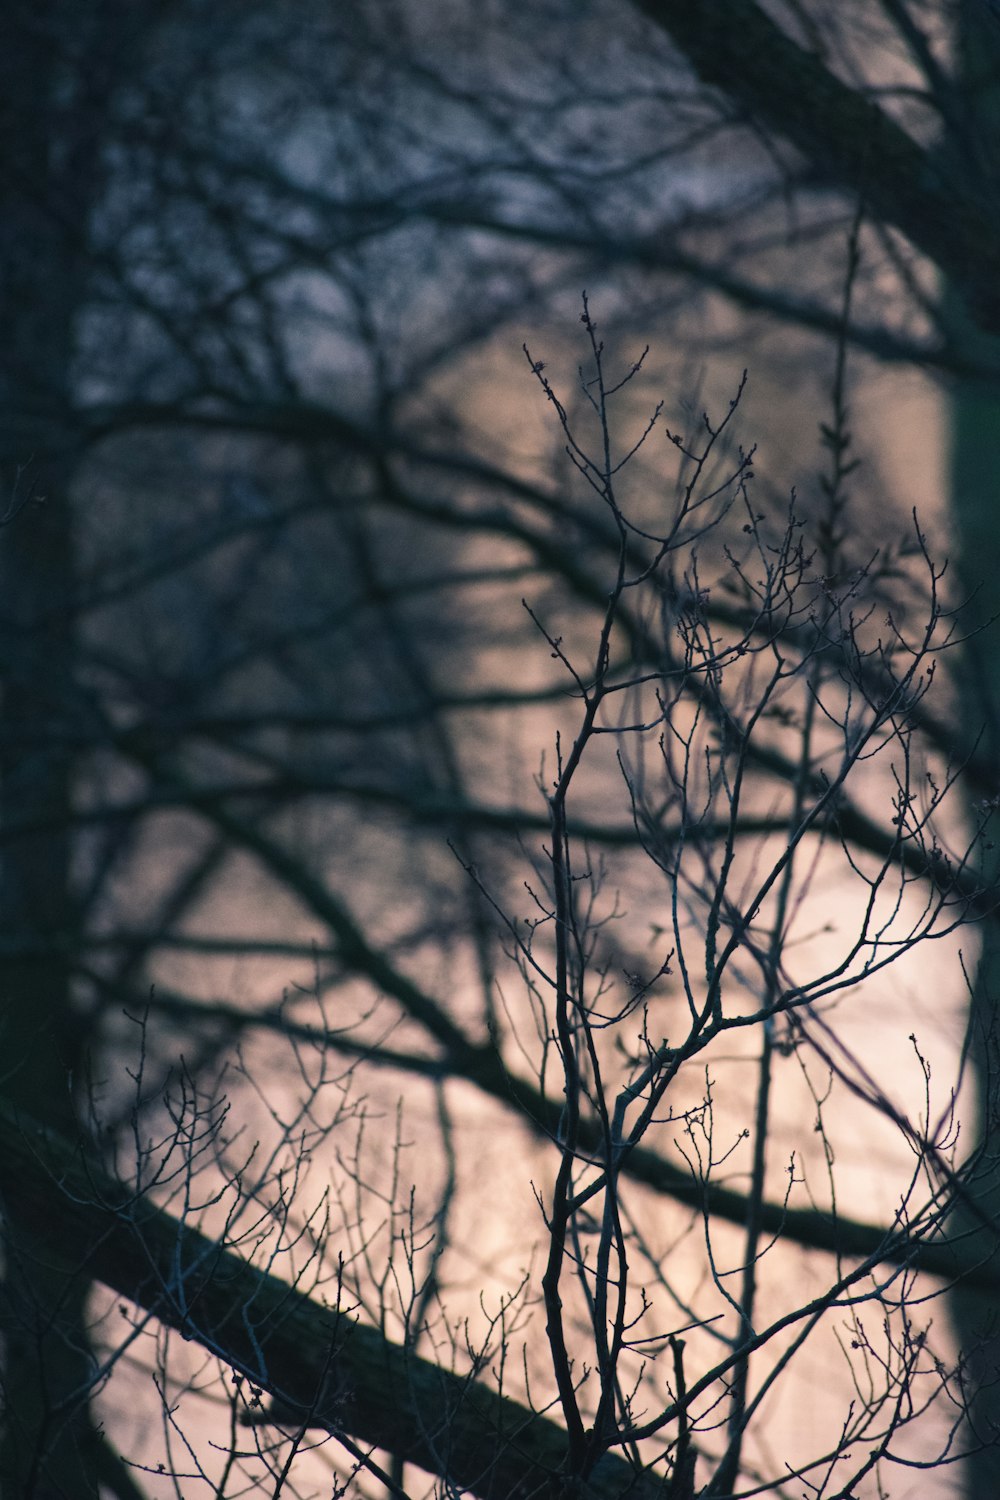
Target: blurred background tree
273,496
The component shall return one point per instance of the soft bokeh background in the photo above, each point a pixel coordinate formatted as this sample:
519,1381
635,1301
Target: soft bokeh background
280,477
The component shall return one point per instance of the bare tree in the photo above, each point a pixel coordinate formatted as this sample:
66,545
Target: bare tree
603,1371
267,493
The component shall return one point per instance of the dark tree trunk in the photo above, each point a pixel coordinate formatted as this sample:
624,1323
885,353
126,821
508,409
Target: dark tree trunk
48,165
975,481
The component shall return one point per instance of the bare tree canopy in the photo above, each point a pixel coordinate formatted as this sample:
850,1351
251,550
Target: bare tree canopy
497,877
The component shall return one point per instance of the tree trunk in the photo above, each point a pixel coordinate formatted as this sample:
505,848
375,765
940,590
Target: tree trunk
47,1447
975,483
975,422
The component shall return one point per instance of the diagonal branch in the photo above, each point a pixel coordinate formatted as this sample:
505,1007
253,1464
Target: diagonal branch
734,46
279,1338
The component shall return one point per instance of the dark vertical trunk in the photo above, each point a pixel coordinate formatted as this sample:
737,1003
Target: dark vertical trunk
976,1318
975,483
46,1359
48,163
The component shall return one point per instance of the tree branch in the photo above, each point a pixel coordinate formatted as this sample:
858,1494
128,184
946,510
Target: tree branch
734,46
280,1339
